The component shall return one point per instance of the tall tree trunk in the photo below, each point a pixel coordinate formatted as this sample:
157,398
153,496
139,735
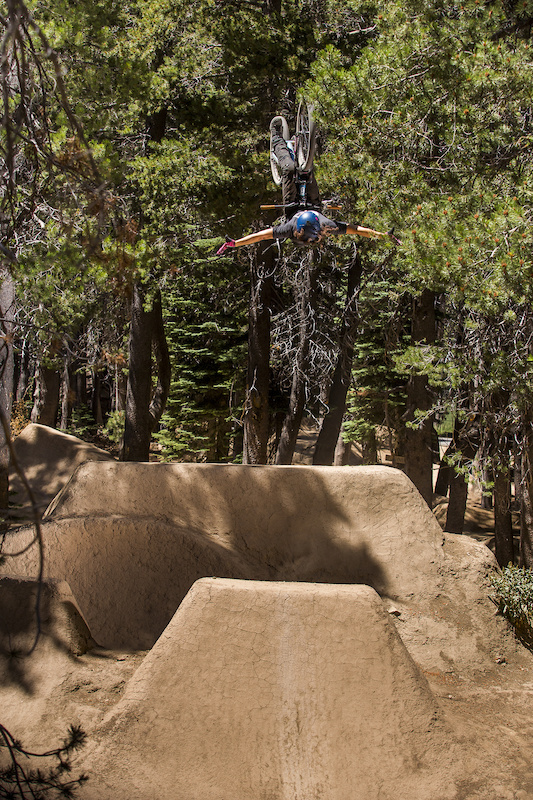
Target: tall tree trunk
526,493
455,514
138,424
22,371
66,393
46,396
256,422
462,446
294,415
503,522
342,451
332,423
142,411
298,396
418,440
7,316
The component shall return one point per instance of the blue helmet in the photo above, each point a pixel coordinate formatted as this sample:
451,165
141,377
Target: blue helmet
310,221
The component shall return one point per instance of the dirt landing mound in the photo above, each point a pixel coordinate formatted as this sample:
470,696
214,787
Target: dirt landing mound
48,458
262,689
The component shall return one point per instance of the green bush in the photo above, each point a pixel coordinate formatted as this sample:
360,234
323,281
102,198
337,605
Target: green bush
513,588
114,427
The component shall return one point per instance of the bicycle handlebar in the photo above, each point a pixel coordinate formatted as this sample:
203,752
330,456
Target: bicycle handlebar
296,206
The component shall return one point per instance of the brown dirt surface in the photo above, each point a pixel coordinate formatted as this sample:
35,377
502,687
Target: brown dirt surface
487,706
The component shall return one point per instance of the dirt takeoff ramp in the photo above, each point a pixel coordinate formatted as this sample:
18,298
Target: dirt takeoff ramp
275,690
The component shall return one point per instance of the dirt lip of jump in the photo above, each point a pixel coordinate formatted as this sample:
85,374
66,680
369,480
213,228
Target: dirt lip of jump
208,586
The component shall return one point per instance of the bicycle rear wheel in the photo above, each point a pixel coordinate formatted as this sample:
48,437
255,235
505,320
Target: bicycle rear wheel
305,136
274,163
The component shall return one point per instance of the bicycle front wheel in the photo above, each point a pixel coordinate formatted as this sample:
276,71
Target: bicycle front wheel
305,136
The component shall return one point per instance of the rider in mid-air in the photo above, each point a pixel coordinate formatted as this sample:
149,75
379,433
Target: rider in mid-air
303,226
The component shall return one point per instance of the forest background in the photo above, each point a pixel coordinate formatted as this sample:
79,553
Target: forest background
135,136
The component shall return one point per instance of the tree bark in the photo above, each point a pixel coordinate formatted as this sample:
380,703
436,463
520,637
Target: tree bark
526,494
96,404
458,484
503,522
66,393
418,440
7,316
22,371
142,411
455,514
256,421
46,396
332,423
342,452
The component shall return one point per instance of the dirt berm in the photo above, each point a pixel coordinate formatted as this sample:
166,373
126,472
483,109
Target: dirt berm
130,539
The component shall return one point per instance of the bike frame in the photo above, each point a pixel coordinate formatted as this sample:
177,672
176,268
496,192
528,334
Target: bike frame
302,146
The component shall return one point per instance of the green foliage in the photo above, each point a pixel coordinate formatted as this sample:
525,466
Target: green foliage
429,128
378,395
205,319
425,119
82,423
513,588
114,427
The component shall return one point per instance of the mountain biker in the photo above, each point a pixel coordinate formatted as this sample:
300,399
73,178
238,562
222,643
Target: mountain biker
302,226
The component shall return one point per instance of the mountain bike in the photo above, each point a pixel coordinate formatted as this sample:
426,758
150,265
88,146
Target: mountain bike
303,148
303,145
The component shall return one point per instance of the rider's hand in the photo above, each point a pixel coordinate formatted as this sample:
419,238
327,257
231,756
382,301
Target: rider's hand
228,243
394,239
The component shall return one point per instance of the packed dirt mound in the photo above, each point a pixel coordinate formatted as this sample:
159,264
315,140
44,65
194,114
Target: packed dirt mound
48,458
131,574
130,539
290,690
263,689
27,680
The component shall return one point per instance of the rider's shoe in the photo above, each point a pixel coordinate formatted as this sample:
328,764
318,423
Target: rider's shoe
276,126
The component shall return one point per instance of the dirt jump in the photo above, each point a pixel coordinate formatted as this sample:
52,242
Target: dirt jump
288,632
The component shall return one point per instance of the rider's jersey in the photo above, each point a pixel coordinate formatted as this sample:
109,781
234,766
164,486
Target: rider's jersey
328,227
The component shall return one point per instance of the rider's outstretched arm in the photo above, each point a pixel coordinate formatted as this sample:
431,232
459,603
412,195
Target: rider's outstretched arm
357,230
252,238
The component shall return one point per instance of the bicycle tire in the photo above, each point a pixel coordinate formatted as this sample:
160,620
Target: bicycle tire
274,163
305,136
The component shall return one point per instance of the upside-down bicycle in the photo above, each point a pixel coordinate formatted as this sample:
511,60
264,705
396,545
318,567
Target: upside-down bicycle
303,148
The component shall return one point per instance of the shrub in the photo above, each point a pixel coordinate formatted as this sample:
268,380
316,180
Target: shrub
114,427
513,588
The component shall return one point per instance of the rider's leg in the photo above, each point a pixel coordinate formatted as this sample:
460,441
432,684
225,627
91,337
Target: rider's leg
313,192
286,161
